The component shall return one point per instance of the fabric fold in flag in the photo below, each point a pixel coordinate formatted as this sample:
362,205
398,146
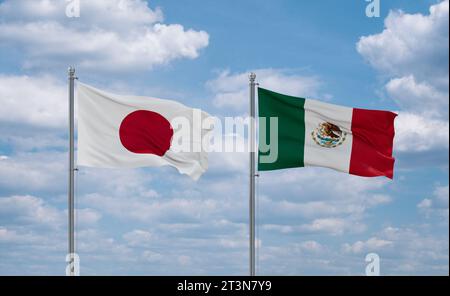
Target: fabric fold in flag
314,133
120,131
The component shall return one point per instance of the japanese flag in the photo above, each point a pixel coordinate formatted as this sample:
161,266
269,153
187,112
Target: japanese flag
121,131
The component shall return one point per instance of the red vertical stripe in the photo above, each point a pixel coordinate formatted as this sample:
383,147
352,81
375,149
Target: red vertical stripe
373,137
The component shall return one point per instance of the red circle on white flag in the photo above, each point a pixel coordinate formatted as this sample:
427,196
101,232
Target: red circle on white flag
146,132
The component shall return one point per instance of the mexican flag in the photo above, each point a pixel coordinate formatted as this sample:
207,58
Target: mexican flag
314,133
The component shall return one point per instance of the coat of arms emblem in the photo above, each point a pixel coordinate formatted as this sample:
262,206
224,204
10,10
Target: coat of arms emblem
328,135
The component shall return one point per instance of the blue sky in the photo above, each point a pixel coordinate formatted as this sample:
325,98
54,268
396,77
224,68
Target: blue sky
154,221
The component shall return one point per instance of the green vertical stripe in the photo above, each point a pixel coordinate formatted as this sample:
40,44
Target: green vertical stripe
291,128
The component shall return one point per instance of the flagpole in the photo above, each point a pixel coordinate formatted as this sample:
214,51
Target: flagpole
71,198
252,78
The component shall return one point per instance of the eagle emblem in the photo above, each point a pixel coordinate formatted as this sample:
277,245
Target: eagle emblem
328,135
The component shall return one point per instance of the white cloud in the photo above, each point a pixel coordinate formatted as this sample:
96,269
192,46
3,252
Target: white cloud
437,205
127,12
153,210
413,53
30,210
419,251
418,97
37,101
333,226
410,43
371,245
425,204
305,205
34,212
233,162
28,139
404,250
280,228
138,237
87,216
92,242
378,199
415,132
312,246
34,172
362,196
304,201
110,35
231,89
12,236
234,242
121,183
151,256
442,196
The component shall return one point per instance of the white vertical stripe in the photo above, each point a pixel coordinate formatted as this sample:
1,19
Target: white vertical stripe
338,157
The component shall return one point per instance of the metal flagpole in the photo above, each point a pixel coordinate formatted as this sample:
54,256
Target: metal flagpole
252,78
71,198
